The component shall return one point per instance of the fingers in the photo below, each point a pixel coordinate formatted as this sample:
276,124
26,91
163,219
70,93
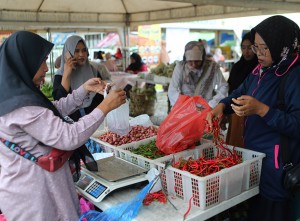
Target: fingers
71,62
209,118
123,96
119,96
239,110
243,105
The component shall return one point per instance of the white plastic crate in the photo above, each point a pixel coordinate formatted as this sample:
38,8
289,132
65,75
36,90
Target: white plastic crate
105,147
215,188
126,154
108,148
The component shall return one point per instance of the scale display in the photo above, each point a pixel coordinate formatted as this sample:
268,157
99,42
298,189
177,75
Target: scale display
96,189
84,181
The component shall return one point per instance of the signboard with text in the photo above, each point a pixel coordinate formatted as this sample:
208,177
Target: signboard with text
149,43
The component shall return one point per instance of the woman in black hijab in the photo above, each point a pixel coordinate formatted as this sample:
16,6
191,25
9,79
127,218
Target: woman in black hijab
244,66
32,127
238,74
276,43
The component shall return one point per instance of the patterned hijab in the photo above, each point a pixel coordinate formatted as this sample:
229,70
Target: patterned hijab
21,55
282,37
82,73
192,44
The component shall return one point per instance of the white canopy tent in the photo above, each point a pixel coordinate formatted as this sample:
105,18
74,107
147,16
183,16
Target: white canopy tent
125,15
120,15
103,14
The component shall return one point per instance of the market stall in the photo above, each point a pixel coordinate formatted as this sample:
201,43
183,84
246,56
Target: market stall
193,196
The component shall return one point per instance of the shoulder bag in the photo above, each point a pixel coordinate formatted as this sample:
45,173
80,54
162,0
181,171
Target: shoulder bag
291,180
51,162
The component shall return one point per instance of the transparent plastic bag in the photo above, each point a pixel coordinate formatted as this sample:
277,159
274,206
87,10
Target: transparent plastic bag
117,120
143,120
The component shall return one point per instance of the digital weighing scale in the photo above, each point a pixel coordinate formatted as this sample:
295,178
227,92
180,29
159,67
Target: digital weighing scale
113,173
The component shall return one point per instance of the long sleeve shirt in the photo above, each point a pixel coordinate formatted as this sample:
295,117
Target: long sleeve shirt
34,193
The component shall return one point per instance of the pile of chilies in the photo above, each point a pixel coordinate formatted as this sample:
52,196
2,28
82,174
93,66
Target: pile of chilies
204,166
157,196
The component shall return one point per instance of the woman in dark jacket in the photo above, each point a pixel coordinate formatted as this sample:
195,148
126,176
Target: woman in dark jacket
277,47
238,74
74,70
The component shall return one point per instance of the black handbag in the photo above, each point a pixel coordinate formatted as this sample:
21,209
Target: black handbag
291,179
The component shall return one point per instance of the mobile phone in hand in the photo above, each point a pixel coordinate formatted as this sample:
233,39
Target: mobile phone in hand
127,88
68,55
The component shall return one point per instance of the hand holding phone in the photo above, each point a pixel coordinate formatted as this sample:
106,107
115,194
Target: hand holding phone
68,55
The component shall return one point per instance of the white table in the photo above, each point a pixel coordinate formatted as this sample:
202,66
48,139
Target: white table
165,212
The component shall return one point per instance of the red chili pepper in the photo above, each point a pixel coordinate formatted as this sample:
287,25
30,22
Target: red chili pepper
157,196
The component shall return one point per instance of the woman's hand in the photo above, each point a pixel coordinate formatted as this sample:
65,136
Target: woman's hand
95,85
114,99
69,66
216,112
247,105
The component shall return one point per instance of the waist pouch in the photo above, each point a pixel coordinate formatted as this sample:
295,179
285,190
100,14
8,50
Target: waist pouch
51,162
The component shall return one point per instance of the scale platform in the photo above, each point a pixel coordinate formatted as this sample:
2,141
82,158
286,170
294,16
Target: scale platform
113,173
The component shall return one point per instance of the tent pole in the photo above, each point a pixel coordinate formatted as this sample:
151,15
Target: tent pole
124,34
49,38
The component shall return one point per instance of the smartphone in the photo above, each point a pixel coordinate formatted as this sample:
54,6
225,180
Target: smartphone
68,55
127,88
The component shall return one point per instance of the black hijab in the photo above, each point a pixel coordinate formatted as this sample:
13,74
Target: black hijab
242,68
282,37
21,55
138,62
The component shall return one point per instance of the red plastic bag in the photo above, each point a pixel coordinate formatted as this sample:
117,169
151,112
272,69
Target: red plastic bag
184,125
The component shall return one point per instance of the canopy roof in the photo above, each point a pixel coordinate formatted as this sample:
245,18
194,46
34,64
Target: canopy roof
113,14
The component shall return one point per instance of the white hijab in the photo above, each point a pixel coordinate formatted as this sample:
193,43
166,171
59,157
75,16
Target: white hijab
82,73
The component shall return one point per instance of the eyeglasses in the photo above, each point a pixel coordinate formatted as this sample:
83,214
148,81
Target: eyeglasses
261,51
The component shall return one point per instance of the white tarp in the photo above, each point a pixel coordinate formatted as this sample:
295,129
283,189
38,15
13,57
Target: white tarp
104,15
